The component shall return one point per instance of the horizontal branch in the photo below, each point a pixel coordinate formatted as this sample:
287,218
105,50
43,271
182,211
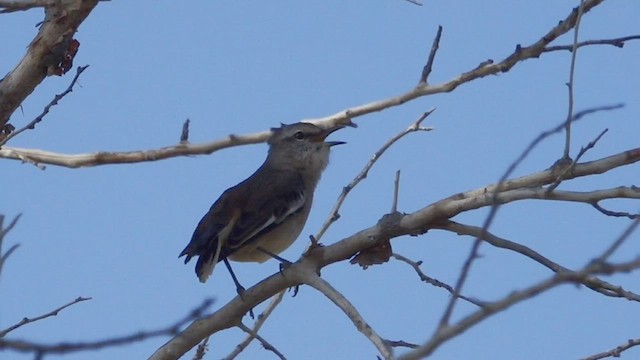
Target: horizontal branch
617,42
38,157
67,347
478,198
487,68
8,6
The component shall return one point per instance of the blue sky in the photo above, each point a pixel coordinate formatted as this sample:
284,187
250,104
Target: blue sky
114,232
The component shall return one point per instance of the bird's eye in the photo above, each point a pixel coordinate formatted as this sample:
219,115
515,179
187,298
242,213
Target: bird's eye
299,135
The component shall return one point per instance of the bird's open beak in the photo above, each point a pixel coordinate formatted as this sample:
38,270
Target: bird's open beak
323,135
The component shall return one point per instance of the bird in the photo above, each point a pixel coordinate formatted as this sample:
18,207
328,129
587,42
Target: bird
263,215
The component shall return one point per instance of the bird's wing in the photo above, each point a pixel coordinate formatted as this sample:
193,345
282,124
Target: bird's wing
205,236
209,238
265,214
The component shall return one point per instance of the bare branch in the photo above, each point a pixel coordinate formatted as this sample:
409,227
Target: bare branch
352,313
616,352
201,350
334,215
426,71
619,241
46,51
31,125
597,206
415,2
435,282
581,153
570,84
446,333
8,6
414,223
35,156
264,342
184,136
275,301
487,68
55,312
396,191
400,343
591,282
67,347
617,42
466,267
4,231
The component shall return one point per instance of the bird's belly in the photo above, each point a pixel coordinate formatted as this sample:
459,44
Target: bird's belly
275,241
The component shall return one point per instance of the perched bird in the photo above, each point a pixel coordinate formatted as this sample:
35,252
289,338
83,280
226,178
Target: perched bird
263,215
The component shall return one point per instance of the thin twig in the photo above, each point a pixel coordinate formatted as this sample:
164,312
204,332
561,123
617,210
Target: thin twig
55,312
426,70
202,349
264,342
31,125
614,213
494,208
592,282
617,42
334,215
67,347
396,191
275,301
184,135
352,313
435,282
449,332
570,84
616,352
4,231
569,168
400,343
619,241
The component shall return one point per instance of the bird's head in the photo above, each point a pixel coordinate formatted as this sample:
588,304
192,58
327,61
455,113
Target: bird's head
301,146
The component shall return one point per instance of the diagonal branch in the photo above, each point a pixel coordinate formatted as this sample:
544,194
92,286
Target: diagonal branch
616,352
352,313
435,282
591,282
447,333
335,215
4,231
263,341
62,19
55,312
32,124
426,71
275,301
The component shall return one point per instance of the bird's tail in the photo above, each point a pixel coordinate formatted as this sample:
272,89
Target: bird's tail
208,257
